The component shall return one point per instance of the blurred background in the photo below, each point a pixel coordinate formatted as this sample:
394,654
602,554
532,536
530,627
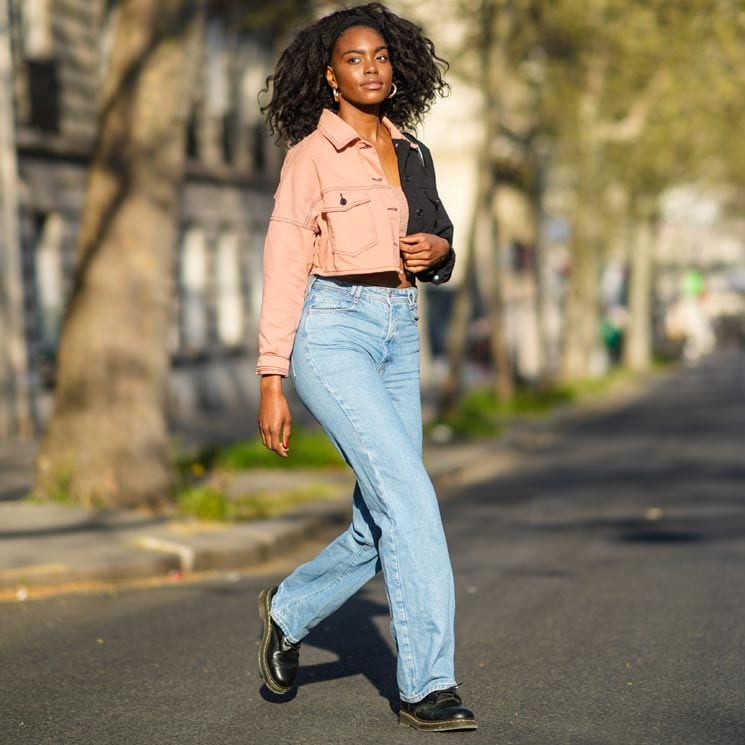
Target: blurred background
589,155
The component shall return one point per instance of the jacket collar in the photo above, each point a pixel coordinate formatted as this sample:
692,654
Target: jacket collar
340,134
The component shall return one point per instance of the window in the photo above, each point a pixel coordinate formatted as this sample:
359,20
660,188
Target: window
228,291
193,276
41,66
49,279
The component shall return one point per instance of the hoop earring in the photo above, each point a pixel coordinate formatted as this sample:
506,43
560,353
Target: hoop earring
336,93
393,92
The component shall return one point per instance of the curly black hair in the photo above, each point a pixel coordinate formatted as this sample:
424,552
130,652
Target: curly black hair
299,96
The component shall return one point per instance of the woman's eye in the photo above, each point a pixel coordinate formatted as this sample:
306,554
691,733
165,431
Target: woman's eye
382,58
353,60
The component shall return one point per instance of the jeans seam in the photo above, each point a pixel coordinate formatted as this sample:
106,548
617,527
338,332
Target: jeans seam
409,657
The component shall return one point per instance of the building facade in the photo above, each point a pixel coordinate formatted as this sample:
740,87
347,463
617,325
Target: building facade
59,53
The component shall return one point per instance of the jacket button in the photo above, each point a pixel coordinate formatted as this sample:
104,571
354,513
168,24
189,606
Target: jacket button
407,178
436,277
419,212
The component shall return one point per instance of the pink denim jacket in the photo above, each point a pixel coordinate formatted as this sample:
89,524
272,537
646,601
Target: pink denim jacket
334,215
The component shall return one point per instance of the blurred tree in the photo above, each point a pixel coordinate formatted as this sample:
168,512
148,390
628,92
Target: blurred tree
601,90
273,18
687,136
107,440
498,40
624,99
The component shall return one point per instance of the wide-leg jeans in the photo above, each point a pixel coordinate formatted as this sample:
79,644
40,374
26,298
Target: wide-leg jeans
355,366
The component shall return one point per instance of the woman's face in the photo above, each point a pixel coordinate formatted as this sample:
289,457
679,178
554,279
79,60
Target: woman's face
360,67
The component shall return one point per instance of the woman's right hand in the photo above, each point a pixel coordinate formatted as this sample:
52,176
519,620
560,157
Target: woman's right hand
275,421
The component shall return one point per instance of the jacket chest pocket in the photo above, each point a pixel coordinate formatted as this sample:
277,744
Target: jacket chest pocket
350,222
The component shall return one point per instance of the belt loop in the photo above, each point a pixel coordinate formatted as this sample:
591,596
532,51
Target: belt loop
356,291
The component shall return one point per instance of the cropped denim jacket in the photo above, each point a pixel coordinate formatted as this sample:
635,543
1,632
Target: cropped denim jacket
334,215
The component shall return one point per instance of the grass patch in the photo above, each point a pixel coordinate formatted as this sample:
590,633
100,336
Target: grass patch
204,503
213,504
480,413
309,448
200,492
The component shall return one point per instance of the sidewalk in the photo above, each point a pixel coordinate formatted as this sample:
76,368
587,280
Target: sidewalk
43,545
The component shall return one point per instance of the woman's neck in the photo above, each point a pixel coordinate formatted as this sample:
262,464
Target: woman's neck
368,124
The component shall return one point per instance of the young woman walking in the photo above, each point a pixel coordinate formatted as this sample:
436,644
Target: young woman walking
357,212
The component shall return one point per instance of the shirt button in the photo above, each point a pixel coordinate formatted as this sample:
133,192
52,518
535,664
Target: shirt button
436,277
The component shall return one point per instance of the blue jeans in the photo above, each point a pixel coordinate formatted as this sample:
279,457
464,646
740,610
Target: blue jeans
355,365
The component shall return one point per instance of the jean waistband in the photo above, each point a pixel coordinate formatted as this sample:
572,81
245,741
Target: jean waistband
392,294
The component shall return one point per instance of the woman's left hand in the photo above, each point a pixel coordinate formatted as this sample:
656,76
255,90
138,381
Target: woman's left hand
421,250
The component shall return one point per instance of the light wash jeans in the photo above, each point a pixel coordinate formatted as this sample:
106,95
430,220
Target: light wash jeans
355,365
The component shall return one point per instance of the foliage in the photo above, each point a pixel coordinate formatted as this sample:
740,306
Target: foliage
612,103
309,448
211,503
273,18
204,503
481,412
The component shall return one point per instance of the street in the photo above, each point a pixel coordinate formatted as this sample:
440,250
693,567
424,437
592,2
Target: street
600,590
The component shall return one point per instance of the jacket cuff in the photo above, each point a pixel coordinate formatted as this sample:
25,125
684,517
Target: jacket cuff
271,364
440,272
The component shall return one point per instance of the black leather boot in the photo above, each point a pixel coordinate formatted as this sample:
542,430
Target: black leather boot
441,711
278,658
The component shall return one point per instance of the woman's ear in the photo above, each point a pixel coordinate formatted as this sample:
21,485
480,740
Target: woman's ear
330,77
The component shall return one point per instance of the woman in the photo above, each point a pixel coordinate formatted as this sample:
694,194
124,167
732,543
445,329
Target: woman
357,210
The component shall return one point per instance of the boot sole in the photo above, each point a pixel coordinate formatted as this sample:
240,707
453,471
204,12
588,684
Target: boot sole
449,725
265,604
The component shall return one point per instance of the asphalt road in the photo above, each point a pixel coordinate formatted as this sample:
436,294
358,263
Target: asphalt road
601,601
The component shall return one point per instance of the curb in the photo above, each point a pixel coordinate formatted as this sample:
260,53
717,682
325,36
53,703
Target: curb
125,550
161,552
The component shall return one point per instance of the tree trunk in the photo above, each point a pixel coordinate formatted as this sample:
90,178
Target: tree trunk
107,442
493,298
638,344
457,334
536,194
581,325
582,320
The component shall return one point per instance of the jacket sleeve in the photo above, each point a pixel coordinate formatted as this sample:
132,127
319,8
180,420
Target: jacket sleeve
288,258
440,272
